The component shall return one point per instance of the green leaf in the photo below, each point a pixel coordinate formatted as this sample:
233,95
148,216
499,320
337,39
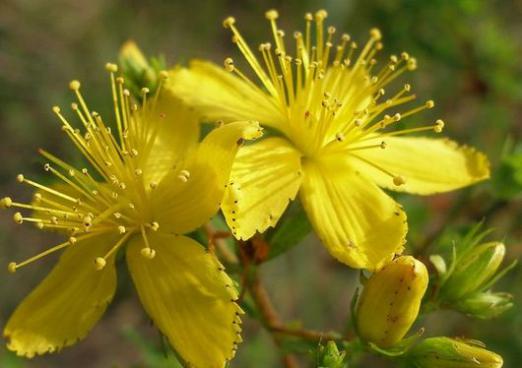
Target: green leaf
291,230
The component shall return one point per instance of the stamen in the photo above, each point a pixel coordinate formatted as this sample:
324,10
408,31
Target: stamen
5,202
101,262
146,252
13,266
397,179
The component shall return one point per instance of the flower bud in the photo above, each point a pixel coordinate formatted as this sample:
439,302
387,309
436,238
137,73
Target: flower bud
473,271
137,70
443,352
485,305
131,55
329,356
390,301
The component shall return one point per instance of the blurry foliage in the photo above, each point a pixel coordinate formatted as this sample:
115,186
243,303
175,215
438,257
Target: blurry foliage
469,53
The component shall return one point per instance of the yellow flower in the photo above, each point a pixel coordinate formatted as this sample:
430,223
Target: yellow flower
334,143
150,183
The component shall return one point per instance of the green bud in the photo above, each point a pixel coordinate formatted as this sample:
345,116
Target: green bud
485,305
138,71
329,356
444,352
473,271
390,301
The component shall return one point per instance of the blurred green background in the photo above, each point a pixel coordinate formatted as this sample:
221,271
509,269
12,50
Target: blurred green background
470,63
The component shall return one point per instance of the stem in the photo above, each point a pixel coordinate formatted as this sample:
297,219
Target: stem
216,239
268,314
312,335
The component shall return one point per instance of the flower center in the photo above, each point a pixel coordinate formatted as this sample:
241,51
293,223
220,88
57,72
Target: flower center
330,96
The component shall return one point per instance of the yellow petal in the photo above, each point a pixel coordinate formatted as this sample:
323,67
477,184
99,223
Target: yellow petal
427,165
359,224
183,205
67,303
176,129
265,177
189,298
220,95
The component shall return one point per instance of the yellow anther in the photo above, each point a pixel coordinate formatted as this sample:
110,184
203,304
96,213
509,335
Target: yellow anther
398,180
120,80
229,21
11,267
100,263
148,253
309,17
229,64
430,104
6,202
111,67
73,240
74,85
144,91
154,226
126,92
405,55
39,225
138,172
331,30
439,126
375,34
321,14
397,117
183,178
47,167
122,229
412,64
37,197
339,137
272,14
383,145
56,109
18,218
407,87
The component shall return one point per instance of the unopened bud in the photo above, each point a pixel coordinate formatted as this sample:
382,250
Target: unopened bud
390,301
485,305
329,356
444,352
473,271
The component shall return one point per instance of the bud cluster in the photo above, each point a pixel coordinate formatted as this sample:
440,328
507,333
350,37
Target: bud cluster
475,267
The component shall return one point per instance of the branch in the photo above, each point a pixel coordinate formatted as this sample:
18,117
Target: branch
268,314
